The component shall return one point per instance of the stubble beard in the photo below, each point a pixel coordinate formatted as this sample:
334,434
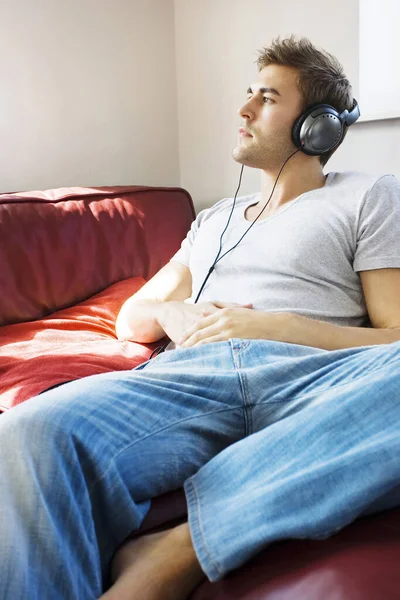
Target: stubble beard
269,156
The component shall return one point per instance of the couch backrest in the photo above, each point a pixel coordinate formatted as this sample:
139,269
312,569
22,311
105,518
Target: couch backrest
58,247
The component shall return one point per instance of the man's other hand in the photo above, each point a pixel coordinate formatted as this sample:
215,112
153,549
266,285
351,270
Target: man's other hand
178,318
235,322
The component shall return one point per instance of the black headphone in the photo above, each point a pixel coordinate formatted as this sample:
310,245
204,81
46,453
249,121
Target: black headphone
320,128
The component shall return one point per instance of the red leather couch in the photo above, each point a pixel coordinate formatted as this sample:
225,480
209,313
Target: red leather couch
69,258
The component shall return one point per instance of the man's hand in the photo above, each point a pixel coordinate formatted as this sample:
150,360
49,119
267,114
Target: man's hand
177,318
236,323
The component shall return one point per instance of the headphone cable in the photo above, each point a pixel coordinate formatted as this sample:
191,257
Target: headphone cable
216,260
248,229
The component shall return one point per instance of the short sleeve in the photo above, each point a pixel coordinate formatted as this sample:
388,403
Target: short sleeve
378,231
183,254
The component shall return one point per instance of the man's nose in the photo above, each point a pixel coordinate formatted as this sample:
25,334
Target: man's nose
246,111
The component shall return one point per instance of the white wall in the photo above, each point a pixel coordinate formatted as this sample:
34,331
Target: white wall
216,43
78,104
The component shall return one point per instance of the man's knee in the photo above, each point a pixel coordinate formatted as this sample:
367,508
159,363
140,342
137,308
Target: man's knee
32,435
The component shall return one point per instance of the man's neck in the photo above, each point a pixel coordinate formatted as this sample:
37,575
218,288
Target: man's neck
297,180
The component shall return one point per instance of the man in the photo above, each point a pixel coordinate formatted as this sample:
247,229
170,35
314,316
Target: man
276,405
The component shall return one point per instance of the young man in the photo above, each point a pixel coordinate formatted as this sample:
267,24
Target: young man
276,405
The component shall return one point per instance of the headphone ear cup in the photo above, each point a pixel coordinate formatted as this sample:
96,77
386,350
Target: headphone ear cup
317,130
296,130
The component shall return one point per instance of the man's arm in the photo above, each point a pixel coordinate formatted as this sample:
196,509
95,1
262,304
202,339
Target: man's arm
381,289
138,319
382,293
319,334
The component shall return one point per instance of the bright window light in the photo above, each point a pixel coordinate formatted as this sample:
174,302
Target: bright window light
379,84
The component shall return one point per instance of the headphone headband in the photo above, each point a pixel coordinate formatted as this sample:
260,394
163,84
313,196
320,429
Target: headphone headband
350,117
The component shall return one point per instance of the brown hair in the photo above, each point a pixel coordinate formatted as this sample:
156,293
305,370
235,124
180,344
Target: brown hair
321,77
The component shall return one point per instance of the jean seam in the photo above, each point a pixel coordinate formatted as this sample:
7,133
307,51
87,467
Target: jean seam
201,529
248,420
156,432
243,345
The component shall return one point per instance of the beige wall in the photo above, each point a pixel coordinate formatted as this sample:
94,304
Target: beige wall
78,104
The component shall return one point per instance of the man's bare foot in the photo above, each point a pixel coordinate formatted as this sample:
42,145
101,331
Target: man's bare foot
157,566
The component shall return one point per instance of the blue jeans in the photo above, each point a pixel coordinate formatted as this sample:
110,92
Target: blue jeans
270,440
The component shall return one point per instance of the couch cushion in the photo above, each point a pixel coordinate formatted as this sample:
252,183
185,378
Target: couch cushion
67,345
59,247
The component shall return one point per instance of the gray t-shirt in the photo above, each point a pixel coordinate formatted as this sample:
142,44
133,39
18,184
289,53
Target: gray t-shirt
305,257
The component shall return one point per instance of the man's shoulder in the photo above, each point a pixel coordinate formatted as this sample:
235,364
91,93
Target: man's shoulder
359,180
356,191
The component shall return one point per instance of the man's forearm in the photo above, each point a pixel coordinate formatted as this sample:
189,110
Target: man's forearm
319,334
138,321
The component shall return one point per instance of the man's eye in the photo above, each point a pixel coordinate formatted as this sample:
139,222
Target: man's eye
265,99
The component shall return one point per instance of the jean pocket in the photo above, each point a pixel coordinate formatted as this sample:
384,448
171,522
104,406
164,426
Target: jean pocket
146,363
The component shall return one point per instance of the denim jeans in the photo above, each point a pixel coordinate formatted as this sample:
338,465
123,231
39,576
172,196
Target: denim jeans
270,441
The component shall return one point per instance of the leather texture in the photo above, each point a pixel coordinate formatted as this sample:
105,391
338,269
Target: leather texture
70,257
59,247
69,344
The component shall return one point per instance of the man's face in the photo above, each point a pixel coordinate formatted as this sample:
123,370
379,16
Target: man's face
269,116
